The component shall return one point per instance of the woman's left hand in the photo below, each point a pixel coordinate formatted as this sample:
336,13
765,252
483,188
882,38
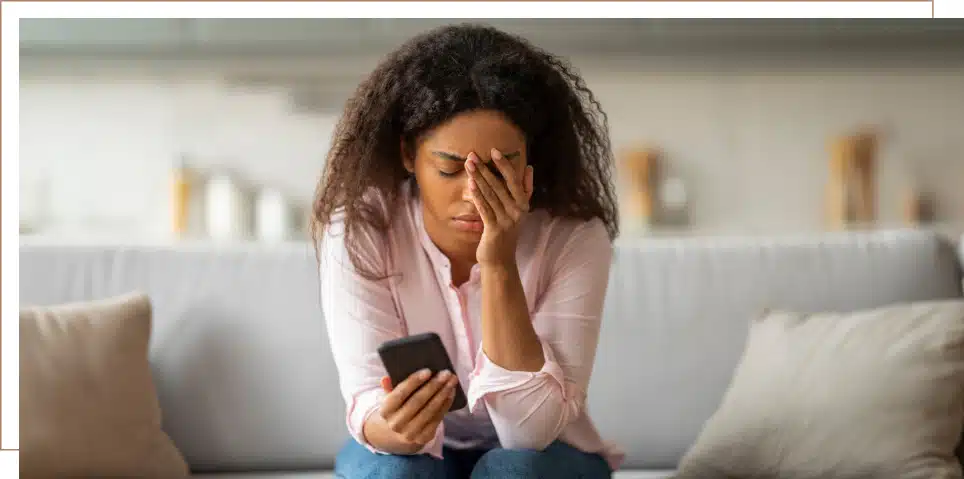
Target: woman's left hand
502,204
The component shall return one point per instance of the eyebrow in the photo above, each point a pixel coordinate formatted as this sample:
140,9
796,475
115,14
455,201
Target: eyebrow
453,157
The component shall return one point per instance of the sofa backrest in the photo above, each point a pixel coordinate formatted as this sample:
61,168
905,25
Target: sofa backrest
678,312
239,348
246,380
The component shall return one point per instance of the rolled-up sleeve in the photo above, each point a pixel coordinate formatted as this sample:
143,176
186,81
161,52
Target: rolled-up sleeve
360,315
530,409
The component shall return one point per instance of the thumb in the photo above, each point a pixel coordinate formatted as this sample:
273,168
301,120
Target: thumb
386,384
530,172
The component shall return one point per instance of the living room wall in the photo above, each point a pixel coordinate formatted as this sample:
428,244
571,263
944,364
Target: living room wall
751,145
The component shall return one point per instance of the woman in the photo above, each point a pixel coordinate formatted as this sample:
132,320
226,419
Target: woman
468,193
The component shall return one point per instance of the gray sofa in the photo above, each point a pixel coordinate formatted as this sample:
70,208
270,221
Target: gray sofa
248,387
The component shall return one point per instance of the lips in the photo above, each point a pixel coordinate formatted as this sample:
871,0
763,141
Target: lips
468,223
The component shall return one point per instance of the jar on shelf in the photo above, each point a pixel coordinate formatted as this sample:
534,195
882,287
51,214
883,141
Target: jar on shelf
274,218
228,211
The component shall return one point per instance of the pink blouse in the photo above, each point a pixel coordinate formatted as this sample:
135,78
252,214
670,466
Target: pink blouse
564,267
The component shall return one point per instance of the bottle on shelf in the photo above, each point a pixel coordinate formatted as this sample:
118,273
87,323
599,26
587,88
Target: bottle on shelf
228,214
180,198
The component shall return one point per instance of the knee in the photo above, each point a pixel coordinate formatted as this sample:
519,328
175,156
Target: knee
513,464
558,461
356,461
399,467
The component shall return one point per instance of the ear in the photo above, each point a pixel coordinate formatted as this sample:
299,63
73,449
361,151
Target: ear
408,156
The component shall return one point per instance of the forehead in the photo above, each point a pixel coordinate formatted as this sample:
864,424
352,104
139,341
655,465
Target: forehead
477,131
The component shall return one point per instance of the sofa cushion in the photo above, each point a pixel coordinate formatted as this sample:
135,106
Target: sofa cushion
239,328
88,403
267,475
876,393
676,317
637,474
239,348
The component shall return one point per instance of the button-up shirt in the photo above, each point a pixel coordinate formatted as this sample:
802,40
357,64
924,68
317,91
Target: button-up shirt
564,266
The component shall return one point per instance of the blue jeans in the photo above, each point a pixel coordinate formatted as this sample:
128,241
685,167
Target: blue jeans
558,461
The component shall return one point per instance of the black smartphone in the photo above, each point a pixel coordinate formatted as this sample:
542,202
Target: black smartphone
405,356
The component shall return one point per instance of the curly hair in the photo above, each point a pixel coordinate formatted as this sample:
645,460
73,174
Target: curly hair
451,70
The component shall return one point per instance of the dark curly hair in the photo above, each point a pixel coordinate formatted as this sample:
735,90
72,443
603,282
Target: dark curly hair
447,71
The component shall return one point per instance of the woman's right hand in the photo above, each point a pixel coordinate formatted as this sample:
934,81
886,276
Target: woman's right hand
411,412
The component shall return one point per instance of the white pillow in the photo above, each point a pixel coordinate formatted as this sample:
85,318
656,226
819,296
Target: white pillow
869,394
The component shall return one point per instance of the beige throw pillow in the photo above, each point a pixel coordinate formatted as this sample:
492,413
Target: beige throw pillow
871,395
88,405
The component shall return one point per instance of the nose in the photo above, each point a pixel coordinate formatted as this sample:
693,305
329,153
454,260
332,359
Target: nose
466,194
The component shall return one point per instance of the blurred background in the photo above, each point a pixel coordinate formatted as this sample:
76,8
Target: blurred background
164,129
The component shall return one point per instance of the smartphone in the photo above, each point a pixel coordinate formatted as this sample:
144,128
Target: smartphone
405,356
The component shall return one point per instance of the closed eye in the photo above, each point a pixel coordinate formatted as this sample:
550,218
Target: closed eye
452,160
457,160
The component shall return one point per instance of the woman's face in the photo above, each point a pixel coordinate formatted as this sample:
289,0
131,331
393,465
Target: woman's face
438,163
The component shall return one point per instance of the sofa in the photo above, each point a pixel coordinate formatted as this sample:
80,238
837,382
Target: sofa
248,388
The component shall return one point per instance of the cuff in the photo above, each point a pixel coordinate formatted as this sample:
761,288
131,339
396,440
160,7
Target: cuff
362,406
489,378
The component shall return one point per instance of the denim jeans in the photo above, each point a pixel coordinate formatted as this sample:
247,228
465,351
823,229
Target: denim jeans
558,461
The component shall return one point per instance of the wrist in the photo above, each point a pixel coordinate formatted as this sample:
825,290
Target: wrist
499,266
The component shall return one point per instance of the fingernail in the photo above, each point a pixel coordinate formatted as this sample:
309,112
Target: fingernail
495,153
443,376
473,156
424,373
470,165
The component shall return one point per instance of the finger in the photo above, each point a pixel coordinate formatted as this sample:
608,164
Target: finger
513,180
482,187
399,421
499,187
428,432
483,207
399,395
434,410
530,183
488,217
427,421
